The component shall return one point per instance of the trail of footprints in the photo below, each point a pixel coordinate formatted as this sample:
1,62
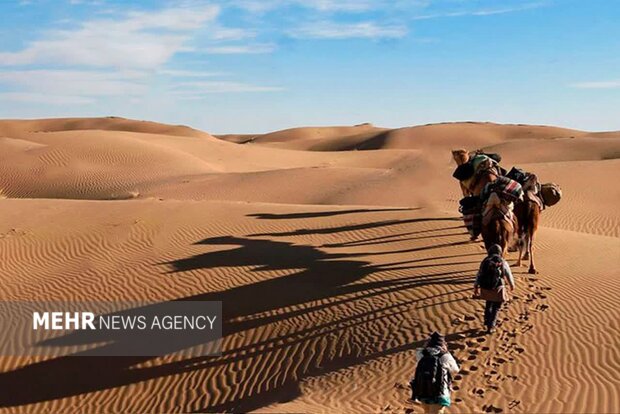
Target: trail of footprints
484,354
480,355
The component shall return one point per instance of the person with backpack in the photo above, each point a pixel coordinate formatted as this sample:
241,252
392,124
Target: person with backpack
490,285
431,384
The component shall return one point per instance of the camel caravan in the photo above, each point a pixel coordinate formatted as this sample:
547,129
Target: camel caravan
502,206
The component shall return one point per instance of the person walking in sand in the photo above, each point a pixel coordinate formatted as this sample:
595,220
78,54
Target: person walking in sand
431,384
490,284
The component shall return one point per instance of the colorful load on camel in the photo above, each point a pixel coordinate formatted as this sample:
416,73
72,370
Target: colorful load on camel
477,161
546,195
507,189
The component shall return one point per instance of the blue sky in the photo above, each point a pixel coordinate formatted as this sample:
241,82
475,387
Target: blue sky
261,65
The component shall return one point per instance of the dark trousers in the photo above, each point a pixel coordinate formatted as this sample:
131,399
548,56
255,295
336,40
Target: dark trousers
490,313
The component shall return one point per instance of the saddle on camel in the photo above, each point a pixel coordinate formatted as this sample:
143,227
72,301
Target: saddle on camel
500,204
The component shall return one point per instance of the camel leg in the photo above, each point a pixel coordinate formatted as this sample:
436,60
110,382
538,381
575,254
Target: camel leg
526,243
530,244
505,242
464,189
520,251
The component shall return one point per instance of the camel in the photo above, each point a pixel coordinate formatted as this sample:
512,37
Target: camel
486,173
528,214
495,228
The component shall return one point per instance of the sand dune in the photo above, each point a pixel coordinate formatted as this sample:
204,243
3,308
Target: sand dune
447,135
332,265
111,123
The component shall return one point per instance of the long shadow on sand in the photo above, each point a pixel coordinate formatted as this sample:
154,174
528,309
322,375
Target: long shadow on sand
357,227
317,214
318,282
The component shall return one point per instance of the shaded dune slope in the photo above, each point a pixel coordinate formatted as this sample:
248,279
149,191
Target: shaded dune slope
469,135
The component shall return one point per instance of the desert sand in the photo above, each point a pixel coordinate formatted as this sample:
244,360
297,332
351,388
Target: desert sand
335,252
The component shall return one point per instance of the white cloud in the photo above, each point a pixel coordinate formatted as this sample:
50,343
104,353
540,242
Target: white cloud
231,33
196,89
262,6
612,84
43,98
137,40
241,49
481,12
332,30
75,82
189,73
86,2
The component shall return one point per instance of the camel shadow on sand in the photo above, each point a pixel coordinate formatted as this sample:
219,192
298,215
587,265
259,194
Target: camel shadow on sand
315,281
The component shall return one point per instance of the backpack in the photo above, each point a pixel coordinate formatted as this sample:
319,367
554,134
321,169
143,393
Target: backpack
464,171
429,377
470,204
518,175
551,194
492,273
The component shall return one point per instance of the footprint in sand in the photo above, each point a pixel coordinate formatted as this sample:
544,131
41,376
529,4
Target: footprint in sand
485,348
478,391
491,409
514,403
473,368
519,349
490,374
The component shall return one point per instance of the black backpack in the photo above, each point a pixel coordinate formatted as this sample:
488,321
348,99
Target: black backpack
463,171
470,203
518,175
492,272
429,377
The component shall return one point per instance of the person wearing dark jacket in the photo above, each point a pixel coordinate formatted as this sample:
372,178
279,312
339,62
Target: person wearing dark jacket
494,296
436,346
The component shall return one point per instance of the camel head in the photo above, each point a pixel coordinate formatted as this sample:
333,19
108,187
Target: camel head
461,156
